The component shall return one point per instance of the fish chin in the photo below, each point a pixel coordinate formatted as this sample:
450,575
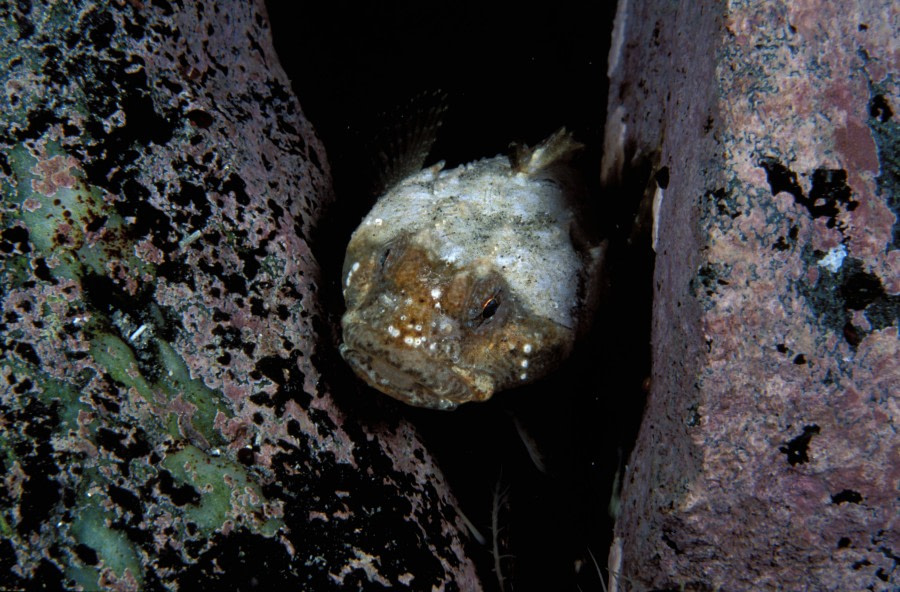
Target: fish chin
416,376
441,387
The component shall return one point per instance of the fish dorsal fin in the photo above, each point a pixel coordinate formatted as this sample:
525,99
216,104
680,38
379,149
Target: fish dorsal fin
405,138
560,146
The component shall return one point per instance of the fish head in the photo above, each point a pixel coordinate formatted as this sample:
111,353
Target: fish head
435,334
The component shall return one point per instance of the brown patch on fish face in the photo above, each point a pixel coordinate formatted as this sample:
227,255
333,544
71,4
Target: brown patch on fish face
434,335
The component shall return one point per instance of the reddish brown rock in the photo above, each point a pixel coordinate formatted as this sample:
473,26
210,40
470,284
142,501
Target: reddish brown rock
769,457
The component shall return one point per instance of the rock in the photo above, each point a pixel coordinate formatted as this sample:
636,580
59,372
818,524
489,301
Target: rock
168,416
768,458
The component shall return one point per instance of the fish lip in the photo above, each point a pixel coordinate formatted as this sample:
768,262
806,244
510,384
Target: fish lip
444,387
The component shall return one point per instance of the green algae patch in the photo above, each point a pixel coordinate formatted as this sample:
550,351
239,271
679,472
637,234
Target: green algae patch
22,59
113,549
225,490
67,219
53,210
49,391
116,356
175,380
6,530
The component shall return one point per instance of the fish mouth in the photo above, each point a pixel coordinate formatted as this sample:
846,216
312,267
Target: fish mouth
421,384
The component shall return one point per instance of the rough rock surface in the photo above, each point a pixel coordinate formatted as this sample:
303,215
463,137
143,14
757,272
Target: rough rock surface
769,456
164,418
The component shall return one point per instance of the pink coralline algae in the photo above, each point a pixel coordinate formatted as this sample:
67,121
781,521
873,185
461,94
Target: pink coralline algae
166,420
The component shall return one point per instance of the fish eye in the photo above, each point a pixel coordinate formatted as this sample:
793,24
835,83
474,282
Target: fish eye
490,306
488,309
487,305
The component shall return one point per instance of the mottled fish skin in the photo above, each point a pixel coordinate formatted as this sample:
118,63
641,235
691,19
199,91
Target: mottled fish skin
460,283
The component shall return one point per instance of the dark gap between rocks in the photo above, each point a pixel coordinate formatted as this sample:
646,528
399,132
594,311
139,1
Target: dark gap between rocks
508,76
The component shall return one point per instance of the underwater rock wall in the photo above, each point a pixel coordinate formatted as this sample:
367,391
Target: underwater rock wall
166,419
769,457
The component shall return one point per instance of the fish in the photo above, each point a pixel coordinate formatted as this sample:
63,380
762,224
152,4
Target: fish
465,282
